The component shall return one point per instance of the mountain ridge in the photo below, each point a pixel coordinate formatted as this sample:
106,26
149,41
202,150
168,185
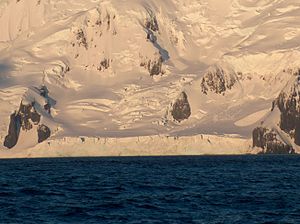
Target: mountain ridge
115,69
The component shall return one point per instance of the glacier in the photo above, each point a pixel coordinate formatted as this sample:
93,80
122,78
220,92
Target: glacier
137,77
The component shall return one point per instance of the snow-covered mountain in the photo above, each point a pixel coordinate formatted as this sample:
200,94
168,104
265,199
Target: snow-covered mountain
149,77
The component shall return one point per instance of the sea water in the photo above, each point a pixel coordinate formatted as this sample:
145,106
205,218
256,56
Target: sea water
207,189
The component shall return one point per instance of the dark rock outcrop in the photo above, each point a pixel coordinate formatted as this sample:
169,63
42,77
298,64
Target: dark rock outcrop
217,80
47,108
297,132
28,115
104,64
43,133
269,142
181,108
288,103
44,92
289,108
81,38
24,119
155,67
13,132
151,22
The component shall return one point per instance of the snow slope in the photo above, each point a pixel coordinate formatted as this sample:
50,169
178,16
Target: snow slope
114,69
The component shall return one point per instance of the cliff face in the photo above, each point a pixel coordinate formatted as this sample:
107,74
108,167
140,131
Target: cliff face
181,109
288,104
270,142
118,69
27,118
23,120
43,133
13,132
218,80
155,67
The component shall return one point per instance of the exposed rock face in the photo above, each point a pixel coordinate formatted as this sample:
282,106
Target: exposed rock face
181,108
289,108
81,38
44,92
24,119
104,64
43,133
288,103
13,132
270,143
217,80
154,67
28,114
47,108
151,22
297,132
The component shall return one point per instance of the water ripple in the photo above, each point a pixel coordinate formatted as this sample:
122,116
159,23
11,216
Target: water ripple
230,189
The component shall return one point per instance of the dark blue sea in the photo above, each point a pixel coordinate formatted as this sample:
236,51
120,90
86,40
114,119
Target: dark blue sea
208,189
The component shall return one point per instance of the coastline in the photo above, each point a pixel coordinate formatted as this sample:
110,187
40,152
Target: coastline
155,145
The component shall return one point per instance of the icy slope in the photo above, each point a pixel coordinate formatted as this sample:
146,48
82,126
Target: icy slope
115,69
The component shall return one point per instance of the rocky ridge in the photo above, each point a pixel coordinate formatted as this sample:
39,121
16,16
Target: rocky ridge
27,118
144,68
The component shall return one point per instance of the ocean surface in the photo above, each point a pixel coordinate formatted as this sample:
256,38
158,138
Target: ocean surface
207,189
